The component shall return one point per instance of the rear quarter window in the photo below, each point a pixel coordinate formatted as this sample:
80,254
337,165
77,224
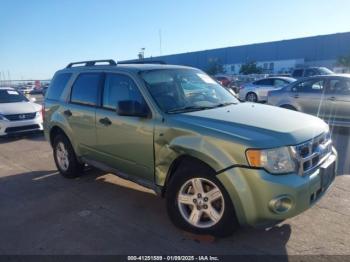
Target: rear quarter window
57,86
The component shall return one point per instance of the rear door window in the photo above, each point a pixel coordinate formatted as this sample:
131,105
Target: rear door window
279,82
86,88
264,82
311,86
339,86
57,86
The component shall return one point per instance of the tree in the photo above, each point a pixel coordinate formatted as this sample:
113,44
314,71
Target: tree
215,68
344,61
250,68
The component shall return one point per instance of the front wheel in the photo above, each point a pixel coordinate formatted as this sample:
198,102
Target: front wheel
197,202
65,158
251,97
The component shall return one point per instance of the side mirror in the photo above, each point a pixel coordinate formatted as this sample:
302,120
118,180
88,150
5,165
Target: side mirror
132,108
32,99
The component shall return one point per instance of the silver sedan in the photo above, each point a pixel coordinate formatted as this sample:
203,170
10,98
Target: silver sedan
257,91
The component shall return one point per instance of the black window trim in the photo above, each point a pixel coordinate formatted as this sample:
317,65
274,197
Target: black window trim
100,86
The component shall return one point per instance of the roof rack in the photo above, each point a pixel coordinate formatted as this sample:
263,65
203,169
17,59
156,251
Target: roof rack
143,62
92,63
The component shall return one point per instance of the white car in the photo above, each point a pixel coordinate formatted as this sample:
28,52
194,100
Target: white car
257,91
17,113
26,89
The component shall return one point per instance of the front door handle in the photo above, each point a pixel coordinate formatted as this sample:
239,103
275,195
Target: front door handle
105,121
332,98
67,113
296,96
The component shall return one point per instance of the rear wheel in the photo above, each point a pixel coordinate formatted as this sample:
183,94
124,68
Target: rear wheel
252,97
197,202
65,158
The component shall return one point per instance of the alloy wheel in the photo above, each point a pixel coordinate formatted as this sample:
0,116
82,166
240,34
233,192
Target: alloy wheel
62,156
201,202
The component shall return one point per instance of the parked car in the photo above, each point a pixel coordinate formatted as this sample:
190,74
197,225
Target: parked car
36,90
218,162
257,90
25,89
310,71
44,89
223,80
236,85
327,97
17,113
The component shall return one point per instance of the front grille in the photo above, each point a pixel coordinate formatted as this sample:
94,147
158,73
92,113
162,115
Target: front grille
312,153
10,130
20,117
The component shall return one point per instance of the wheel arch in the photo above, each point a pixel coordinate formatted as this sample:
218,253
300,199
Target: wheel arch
289,106
54,131
58,129
252,92
181,161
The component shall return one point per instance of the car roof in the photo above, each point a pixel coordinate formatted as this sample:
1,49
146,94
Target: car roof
6,88
327,76
124,67
278,77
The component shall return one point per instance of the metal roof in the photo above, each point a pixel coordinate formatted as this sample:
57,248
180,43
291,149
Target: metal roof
324,47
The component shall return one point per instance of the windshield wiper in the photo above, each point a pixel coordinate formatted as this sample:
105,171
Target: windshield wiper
188,108
195,108
224,104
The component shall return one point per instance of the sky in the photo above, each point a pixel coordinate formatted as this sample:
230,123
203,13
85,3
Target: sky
39,37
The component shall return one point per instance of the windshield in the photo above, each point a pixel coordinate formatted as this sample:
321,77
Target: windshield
179,90
11,96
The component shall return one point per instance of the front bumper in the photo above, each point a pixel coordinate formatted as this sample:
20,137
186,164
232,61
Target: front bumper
18,127
251,191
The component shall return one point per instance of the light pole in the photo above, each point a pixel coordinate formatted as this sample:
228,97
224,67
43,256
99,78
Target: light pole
141,54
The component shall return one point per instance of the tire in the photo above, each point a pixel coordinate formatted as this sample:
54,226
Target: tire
226,221
251,97
289,107
66,161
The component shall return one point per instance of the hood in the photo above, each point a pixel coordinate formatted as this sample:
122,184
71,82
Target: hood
18,108
256,125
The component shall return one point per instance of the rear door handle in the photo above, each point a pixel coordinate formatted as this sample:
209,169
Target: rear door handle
67,113
296,96
105,121
332,98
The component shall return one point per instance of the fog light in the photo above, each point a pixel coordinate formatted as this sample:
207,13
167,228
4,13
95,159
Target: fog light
280,204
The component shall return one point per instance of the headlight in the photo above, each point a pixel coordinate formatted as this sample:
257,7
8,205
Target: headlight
38,114
276,160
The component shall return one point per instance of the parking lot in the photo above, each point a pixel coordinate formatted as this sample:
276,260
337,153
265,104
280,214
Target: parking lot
99,213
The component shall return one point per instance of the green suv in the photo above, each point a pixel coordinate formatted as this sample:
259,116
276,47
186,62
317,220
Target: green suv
218,162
